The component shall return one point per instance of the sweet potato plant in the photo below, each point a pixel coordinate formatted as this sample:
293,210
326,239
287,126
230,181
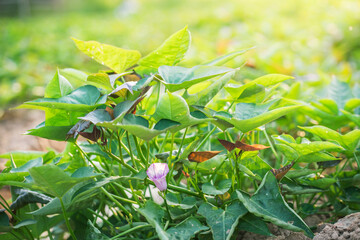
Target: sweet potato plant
160,151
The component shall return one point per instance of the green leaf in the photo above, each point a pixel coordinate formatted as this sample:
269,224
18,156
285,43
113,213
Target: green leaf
186,229
26,197
4,222
353,117
29,164
203,97
252,223
218,189
348,141
53,180
249,116
291,187
176,78
90,190
291,154
226,58
222,223
154,214
170,52
117,59
267,80
100,80
352,104
139,126
252,94
340,92
58,87
268,203
186,203
322,183
93,233
82,99
21,157
310,147
175,108
58,133
76,77
17,176
256,165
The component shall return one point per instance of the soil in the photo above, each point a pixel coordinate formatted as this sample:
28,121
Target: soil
346,228
13,125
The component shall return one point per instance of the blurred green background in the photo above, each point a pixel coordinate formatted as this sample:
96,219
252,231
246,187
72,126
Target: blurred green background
308,39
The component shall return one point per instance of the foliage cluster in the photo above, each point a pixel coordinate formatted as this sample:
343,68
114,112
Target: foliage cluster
229,144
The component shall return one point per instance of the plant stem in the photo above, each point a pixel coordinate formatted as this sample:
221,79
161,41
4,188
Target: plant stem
181,144
357,160
123,163
130,230
102,218
139,150
87,157
271,145
130,149
182,190
205,139
164,142
110,196
166,205
67,220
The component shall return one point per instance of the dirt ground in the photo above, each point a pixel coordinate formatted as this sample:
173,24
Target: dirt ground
13,125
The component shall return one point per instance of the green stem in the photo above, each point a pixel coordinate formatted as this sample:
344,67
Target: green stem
139,150
205,139
110,196
130,230
130,149
271,145
122,162
164,142
182,190
166,205
99,216
87,157
67,220
181,144
357,160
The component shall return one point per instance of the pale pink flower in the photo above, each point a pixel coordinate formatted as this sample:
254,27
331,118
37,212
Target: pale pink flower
157,173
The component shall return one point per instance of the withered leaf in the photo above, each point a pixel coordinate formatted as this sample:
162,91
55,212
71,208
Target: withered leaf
202,156
77,128
247,147
242,146
228,145
93,136
280,173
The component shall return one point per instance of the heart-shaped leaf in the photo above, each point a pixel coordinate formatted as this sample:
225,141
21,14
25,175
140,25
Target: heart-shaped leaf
249,116
186,229
268,203
222,222
175,108
58,87
170,52
117,59
218,189
204,96
176,78
83,99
